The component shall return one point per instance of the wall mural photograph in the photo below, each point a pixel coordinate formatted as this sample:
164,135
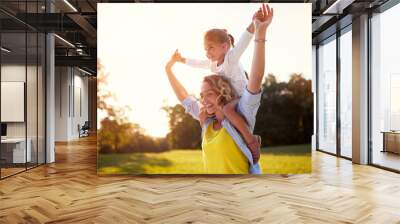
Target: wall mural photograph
204,89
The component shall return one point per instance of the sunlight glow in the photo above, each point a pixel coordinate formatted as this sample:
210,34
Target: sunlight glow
136,40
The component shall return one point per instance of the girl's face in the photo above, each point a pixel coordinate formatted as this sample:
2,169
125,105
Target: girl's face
208,98
215,51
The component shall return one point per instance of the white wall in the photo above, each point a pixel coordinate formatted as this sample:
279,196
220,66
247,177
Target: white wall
71,94
61,103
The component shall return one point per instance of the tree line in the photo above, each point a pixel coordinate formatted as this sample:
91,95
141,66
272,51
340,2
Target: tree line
285,117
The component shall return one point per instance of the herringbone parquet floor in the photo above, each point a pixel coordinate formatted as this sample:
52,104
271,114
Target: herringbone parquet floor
69,191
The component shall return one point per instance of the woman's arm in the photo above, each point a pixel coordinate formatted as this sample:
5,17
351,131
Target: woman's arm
244,41
250,100
262,21
179,90
191,105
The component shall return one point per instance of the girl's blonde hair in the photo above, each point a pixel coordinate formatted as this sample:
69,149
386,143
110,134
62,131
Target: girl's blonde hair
219,36
222,86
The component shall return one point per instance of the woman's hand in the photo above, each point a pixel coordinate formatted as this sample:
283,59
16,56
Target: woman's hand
263,17
179,57
172,60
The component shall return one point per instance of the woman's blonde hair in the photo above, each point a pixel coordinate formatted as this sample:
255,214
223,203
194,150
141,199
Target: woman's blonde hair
219,36
222,86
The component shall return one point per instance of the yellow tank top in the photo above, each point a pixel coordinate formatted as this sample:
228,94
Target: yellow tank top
221,155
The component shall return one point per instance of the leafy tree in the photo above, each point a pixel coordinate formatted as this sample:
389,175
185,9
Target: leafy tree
285,115
185,132
303,98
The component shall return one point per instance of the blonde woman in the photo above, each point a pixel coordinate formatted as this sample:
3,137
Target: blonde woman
224,150
224,59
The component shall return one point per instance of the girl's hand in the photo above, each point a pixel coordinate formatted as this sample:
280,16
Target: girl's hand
263,17
202,115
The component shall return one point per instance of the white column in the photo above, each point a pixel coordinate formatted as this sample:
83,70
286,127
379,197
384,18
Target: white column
314,91
360,90
50,110
50,94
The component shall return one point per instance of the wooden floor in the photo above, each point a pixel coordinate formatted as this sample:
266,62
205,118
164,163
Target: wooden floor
10,171
5,172
69,191
387,159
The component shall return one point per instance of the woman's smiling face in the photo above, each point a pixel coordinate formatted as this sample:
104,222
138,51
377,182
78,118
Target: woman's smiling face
208,98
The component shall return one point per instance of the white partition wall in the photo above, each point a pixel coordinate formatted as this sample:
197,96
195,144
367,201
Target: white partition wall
14,70
22,101
71,102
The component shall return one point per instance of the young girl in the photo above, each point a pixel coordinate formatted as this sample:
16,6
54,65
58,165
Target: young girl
224,60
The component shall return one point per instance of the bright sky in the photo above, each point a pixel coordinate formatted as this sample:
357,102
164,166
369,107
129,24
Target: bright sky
136,40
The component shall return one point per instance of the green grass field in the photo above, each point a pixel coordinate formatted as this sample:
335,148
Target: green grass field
274,160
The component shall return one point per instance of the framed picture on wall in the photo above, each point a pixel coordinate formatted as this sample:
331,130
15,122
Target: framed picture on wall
12,101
